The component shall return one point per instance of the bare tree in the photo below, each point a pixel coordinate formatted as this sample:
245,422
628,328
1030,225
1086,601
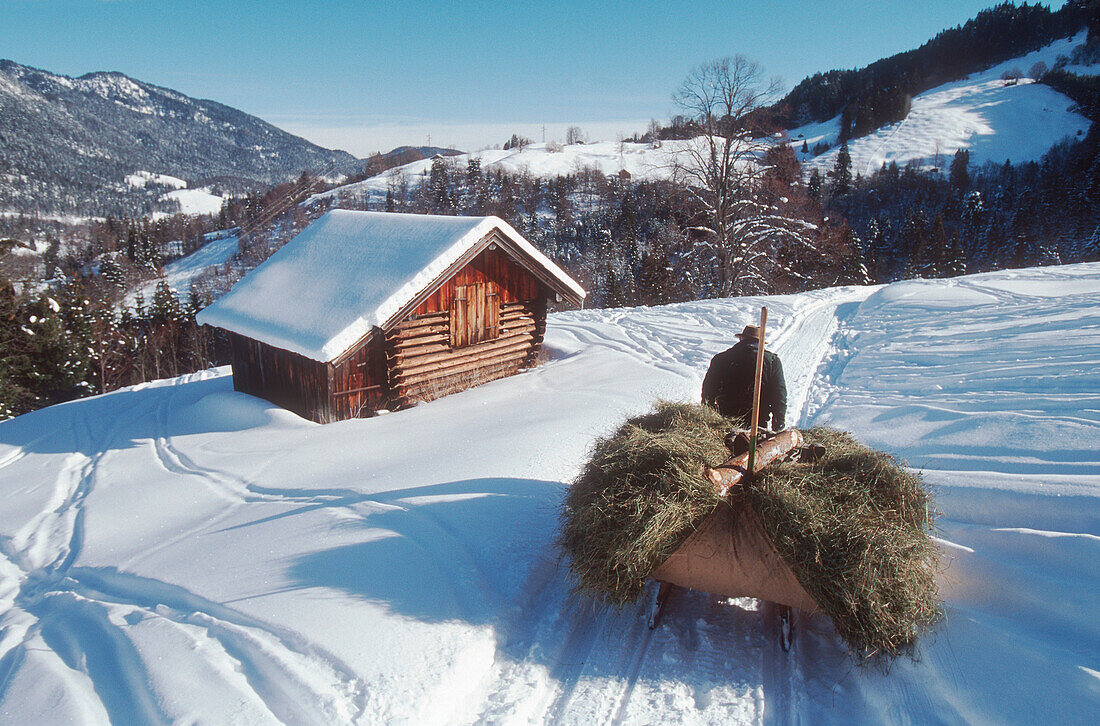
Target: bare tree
1012,76
653,132
741,233
574,135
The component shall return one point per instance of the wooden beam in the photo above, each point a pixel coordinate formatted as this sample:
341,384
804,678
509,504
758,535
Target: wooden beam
357,390
406,389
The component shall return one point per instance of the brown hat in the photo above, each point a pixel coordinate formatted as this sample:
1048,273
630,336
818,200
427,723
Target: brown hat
751,331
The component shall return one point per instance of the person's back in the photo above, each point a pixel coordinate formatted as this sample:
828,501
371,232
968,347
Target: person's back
728,385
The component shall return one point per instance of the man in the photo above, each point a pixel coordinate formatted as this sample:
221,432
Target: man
729,382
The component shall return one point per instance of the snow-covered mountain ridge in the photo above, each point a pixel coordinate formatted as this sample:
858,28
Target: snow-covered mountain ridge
179,551
69,144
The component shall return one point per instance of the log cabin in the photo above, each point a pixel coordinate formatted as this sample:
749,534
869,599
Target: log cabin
365,311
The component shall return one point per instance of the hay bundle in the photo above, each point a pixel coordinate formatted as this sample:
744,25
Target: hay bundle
854,527
639,497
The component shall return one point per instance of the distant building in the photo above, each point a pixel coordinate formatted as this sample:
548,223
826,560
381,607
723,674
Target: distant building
370,310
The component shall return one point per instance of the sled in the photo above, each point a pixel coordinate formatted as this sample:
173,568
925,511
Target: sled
730,554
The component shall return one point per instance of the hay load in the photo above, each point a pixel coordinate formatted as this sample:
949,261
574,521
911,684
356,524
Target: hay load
854,527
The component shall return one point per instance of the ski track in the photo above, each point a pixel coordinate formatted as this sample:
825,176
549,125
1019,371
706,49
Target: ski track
558,658
73,609
76,609
592,641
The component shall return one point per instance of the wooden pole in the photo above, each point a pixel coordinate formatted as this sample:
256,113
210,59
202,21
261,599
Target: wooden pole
753,426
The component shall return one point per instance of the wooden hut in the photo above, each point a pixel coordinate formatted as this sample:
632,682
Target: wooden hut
370,310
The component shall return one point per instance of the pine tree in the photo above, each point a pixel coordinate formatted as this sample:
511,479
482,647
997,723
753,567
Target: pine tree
912,239
439,187
956,258
958,174
165,306
813,187
16,396
842,171
854,271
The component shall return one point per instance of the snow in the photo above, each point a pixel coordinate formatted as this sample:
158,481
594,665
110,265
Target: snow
641,161
349,272
140,178
67,219
980,113
219,249
191,201
180,552
196,201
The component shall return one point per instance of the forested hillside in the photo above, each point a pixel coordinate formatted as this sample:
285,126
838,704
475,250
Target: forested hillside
879,93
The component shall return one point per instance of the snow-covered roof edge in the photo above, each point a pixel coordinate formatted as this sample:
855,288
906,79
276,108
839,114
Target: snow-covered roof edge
431,276
435,274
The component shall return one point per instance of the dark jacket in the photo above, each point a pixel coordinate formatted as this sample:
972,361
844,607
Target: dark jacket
729,381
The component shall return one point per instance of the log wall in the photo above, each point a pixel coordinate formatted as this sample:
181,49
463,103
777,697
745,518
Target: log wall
512,282
422,364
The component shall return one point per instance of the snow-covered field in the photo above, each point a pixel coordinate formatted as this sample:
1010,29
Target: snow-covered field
196,201
191,201
179,552
993,121
641,161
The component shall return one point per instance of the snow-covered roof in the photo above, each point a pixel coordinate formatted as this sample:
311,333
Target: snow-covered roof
351,271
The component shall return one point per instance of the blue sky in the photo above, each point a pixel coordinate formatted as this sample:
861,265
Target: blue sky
365,76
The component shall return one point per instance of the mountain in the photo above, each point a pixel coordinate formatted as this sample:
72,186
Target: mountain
67,145
178,551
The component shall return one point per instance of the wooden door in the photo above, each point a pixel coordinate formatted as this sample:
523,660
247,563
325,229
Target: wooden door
475,314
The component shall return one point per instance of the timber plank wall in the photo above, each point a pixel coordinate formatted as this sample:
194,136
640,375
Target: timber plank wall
287,379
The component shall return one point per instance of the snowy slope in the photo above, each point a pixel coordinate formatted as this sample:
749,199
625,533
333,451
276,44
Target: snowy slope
181,552
980,113
641,161
196,201
179,274
993,121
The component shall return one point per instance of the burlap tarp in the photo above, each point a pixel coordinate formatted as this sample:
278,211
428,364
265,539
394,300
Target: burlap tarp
731,556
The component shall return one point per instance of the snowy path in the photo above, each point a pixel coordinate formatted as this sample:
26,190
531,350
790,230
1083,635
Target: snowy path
178,552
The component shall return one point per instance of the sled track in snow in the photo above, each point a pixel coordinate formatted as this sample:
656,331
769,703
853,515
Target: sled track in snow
74,609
